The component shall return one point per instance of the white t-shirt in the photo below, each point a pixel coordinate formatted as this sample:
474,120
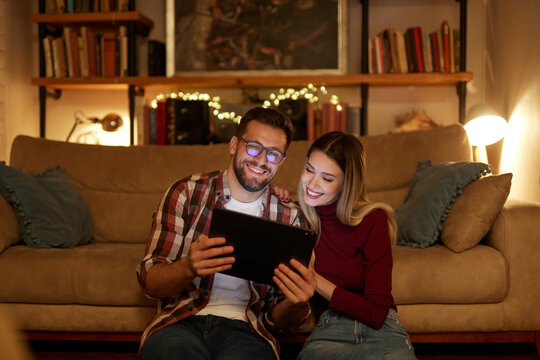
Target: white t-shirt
230,295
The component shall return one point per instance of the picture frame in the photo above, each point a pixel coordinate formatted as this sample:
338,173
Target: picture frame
256,37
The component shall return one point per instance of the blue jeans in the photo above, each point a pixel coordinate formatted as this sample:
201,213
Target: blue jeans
206,337
339,337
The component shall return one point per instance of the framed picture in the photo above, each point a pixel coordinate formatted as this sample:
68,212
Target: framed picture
206,37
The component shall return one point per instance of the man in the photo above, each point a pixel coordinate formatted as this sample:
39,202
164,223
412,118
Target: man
204,314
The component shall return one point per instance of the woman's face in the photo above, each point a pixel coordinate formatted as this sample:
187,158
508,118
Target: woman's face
322,179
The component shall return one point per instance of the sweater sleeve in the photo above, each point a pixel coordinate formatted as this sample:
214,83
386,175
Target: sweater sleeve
371,307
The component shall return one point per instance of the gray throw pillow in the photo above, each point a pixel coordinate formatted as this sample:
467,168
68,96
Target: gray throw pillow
432,192
49,209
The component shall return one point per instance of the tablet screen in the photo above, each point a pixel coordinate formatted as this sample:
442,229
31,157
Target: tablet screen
260,245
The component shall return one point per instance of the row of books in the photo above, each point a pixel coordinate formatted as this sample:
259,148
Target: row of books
79,6
176,121
410,51
86,53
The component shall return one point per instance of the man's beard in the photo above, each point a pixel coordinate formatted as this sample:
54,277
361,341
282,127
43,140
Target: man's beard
247,184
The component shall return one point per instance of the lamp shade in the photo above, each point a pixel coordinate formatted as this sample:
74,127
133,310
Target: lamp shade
484,125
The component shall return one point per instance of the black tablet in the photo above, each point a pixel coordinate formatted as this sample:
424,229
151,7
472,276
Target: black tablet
260,245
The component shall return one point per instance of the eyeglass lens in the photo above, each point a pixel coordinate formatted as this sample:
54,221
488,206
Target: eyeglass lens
254,149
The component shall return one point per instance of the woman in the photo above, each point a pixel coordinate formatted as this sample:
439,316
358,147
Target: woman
352,257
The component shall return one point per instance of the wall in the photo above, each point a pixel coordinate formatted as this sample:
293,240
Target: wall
18,100
513,89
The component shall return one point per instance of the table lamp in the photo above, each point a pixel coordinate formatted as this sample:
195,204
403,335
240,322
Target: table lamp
484,126
110,122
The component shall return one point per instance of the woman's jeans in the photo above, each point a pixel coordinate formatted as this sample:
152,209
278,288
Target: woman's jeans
205,338
339,337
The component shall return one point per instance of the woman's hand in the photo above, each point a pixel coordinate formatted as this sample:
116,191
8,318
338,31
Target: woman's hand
280,192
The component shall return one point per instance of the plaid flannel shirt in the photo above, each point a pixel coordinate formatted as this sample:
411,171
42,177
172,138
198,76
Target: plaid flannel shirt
182,216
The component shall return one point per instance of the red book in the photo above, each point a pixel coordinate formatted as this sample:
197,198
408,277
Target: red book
418,48
445,30
435,51
109,54
74,47
161,123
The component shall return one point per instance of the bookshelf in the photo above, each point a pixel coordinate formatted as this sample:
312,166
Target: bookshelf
427,78
53,23
137,84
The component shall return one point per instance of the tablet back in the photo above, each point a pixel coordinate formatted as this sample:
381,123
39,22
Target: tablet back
260,245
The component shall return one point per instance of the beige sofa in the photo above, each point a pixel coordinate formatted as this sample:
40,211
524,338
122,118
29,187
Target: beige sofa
488,293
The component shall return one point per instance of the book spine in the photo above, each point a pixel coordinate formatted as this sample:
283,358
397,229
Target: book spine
402,52
75,58
109,54
417,31
411,53
440,48
161,123
342,116
429,56
59,58
445,33
435,52
457,50
47,52
452,55
152,125
91,45
123,41
170,122
68,53
85,64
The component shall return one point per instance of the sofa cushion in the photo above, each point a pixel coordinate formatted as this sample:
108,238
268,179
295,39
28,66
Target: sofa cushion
9,225
437,275
434,188
94,274
474,212
49,209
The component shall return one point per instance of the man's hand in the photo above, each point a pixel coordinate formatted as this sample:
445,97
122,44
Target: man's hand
166,280
202,259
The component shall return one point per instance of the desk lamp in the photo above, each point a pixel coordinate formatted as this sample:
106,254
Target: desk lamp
484,126
110,122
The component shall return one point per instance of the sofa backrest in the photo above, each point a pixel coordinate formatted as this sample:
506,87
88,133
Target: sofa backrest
123,185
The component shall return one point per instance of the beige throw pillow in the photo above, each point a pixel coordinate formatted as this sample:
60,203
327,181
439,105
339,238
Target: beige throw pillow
474,211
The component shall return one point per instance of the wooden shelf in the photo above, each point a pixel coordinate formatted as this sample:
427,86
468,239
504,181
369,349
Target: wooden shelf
158,82
108,18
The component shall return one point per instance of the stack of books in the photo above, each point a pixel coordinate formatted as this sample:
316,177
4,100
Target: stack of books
412,51
77,6
83,53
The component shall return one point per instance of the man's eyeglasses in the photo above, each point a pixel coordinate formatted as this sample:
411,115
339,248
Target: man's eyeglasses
253,148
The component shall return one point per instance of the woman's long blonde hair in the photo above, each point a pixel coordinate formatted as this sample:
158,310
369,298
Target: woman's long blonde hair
353,204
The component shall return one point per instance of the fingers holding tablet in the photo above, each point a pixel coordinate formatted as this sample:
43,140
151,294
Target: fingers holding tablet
210,255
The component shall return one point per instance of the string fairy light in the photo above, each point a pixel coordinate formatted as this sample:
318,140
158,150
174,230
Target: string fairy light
309,93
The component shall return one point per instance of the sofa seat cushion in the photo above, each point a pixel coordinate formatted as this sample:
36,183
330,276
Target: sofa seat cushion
94,274
437,275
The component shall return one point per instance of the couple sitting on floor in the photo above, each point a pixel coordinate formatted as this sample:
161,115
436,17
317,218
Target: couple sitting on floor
347,286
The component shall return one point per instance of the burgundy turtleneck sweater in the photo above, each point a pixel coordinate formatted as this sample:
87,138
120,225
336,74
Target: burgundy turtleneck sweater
358,259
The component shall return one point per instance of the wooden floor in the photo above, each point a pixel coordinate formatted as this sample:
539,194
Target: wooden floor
56,350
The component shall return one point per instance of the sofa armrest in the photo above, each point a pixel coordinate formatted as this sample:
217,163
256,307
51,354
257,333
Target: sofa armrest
516,234
9,227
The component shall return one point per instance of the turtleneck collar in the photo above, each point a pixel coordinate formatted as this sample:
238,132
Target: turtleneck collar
328,211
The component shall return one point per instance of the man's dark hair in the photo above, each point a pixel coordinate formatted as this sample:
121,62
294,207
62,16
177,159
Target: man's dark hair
267,116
